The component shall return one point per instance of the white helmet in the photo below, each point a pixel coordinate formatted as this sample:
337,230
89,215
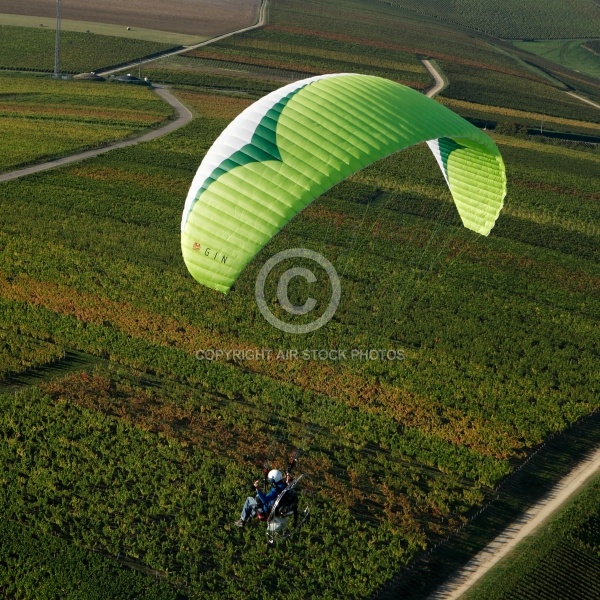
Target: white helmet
275,476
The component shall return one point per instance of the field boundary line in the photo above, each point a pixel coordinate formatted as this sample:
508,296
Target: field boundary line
183,118
526,524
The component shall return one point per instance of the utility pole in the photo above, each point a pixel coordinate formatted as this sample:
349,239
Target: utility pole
57,43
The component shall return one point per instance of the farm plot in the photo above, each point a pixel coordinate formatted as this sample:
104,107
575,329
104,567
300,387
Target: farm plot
579,55
280,57
194,17
192,66
80,52
519,118
44,118
490,88
517,20
387,27
297,52
497,334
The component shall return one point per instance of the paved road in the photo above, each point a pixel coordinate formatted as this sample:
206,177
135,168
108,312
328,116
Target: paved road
183,118
512,535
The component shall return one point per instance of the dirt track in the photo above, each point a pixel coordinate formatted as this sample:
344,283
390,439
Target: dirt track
193,17
479,565
184,116
440,84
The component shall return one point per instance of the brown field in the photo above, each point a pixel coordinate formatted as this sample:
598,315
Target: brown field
192,17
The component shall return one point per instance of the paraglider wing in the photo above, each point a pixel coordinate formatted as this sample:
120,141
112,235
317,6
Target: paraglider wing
289,147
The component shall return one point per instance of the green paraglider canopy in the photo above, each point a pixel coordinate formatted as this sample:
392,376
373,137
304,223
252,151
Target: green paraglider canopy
289,147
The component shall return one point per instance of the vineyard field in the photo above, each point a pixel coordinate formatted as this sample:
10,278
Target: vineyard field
532,96
517,20
411,440
136,406
45,118
80,52
364,30
35,565
392,27
525,119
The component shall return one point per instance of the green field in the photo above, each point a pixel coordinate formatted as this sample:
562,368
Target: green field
125,455
44,118
572,54
80,52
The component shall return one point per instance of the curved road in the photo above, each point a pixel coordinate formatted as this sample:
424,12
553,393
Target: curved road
440,83
183,118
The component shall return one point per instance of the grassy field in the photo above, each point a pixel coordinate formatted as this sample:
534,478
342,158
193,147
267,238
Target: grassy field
44,118
572,54
497,338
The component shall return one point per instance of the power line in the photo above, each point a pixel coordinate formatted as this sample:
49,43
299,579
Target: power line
57,43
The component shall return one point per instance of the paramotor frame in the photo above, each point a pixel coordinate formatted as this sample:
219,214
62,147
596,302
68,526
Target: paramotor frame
291,509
